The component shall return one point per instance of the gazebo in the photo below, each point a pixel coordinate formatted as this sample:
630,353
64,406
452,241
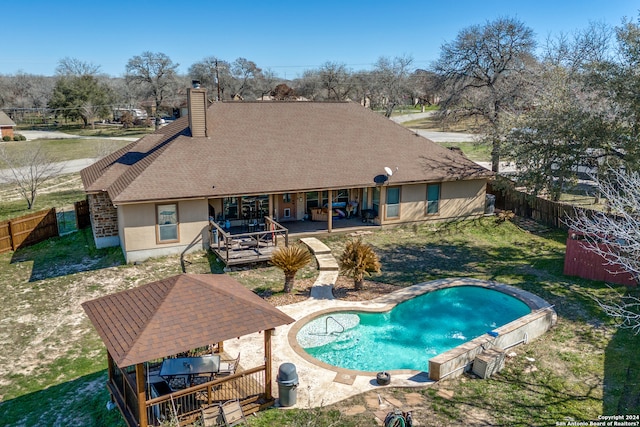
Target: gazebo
144,326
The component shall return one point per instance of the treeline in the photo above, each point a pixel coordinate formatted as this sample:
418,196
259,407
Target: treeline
560,111
79,91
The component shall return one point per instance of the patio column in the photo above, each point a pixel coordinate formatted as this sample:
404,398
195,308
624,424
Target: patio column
268,392
330,211
142,398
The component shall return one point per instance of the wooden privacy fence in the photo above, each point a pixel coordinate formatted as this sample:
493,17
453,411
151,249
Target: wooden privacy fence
582,262
28,230
34,228
547,212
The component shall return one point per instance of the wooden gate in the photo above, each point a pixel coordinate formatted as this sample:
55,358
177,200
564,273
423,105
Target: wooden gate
83,217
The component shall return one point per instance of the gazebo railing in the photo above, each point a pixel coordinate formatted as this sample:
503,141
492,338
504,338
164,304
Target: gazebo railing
247,386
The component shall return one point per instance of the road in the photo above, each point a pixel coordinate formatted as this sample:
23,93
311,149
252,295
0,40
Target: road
70,166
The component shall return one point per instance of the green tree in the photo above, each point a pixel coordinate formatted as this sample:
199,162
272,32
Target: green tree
357,260
290,260
486,72
586,115
78,94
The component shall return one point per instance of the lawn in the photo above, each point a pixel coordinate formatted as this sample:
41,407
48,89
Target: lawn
60,150
54,362
59,192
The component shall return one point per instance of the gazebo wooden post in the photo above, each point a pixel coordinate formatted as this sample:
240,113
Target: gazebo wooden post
142,398
268,392
330,211
110,369
220,347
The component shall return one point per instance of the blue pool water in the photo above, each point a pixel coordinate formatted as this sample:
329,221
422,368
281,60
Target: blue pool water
412,332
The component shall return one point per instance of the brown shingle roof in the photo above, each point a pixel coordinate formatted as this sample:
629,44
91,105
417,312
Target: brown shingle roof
178,314
271,147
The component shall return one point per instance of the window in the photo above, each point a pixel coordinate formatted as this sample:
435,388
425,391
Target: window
393,202
167,222
286,198
230,208
341,196
312,200
375,200
433,199
287,212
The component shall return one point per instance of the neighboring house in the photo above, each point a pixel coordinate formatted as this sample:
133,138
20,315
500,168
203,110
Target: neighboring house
281,159
6,125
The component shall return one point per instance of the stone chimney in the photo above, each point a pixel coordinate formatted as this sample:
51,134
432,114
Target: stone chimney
197,102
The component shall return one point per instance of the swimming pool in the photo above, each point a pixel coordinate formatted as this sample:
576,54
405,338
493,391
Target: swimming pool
411,333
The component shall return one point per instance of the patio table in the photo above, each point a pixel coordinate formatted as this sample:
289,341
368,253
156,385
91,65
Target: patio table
190,366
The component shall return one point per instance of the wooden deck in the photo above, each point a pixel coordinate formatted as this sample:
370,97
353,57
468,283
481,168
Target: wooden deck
235,247
245,248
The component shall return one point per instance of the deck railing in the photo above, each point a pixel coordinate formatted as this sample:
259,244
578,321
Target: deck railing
184,405
223,242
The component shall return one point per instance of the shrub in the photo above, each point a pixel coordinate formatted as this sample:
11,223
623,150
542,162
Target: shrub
6,138
357,260
290,259
18,137
504,216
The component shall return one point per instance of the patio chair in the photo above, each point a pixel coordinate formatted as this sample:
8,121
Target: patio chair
228,367
177,383
232,413
211,416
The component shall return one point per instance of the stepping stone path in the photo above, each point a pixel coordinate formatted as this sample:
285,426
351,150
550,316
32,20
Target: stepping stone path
327,265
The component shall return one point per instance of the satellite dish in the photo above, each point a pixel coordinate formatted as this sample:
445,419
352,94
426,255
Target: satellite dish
380,179
388,171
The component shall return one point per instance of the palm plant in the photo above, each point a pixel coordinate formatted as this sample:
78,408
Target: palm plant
290,259
357,260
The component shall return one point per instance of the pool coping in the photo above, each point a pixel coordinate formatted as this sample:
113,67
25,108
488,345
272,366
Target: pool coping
387,302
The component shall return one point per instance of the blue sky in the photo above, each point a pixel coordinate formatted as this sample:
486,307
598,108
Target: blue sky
284,36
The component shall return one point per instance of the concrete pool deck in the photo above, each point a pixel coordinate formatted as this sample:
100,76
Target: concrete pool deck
322,385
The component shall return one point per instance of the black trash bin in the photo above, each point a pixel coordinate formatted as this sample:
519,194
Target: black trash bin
287,384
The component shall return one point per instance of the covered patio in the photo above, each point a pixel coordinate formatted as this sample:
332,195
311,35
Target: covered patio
189,316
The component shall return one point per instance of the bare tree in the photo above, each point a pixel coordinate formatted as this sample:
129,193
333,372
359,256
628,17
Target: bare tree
74,67
214,74
336,80
154,74
308,85
245,78
29,170
391,78
485,73
615,236
266,83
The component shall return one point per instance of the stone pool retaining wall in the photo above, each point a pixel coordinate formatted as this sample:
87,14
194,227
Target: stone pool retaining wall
460,359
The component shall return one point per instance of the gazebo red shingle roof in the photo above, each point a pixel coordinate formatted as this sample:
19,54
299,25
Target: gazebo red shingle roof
178,314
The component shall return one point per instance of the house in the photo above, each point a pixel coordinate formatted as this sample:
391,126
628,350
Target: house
6,126
230,161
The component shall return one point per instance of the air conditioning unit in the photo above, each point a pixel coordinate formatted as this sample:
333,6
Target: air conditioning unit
488,362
